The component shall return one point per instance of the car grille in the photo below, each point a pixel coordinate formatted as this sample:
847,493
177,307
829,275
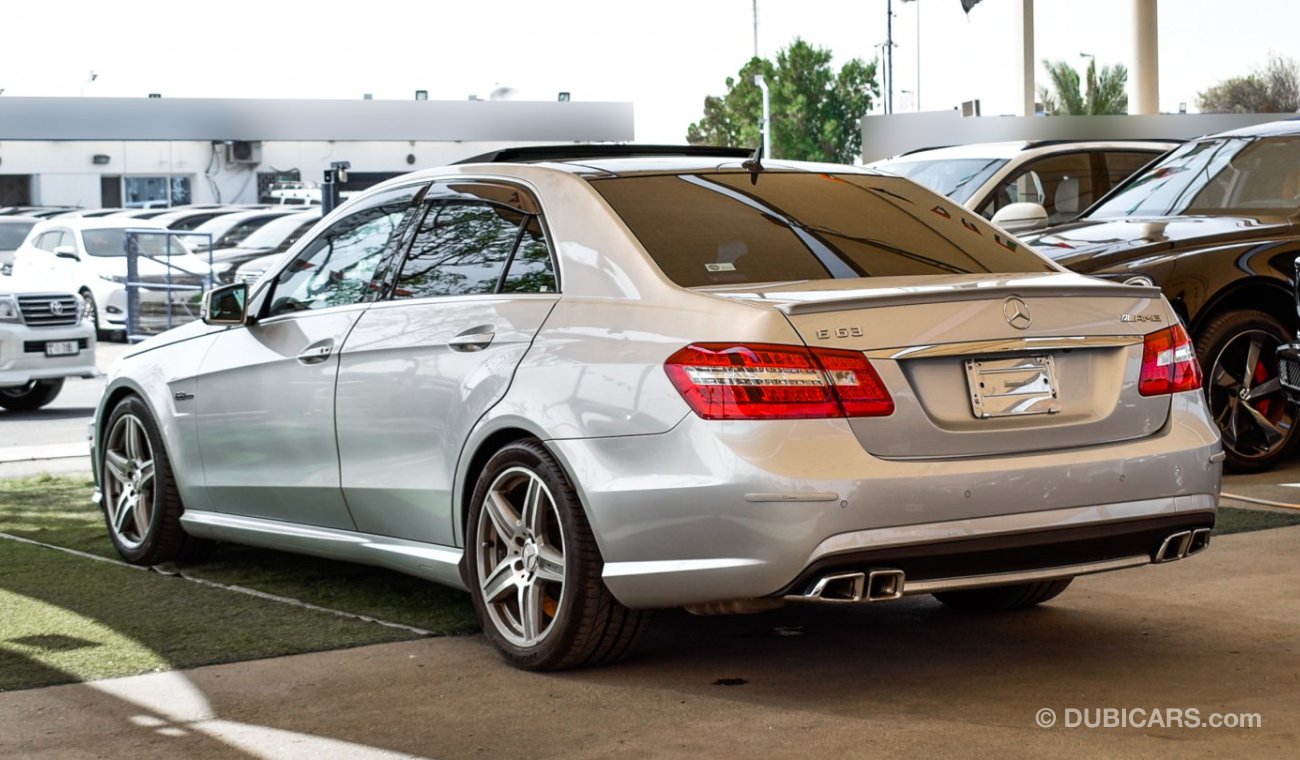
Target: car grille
250,276
38,346
177,278
50,310
1290,373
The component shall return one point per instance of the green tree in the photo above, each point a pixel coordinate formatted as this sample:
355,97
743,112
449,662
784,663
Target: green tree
1102,92
816,112
1275,88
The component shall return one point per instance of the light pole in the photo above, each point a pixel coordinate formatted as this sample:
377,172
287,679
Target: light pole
767,115
917,91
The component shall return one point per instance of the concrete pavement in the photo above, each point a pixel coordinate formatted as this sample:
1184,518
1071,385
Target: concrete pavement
1214,634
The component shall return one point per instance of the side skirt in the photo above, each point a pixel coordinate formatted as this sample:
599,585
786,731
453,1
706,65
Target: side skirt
430,561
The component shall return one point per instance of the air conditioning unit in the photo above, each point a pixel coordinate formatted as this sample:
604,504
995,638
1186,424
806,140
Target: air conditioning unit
243,152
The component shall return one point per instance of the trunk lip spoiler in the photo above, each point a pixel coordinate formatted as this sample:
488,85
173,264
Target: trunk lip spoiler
1008,345
789,302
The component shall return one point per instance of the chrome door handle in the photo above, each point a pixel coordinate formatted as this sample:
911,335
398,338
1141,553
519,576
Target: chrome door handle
472,341
316,352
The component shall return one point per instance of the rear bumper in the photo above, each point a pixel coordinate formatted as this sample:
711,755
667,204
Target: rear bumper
757,509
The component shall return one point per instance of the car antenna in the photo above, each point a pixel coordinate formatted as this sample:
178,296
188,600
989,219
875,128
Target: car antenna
754,164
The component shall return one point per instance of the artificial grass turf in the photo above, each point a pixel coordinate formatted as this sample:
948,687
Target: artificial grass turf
58,511
65,618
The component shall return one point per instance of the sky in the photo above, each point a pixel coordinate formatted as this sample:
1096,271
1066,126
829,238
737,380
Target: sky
664,56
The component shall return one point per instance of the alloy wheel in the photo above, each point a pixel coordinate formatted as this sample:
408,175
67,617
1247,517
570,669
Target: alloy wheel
128,479
520,561
1246,398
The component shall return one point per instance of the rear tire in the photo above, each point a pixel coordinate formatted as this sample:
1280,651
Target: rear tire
34,395
1002,598
142,506
1260,430
534,570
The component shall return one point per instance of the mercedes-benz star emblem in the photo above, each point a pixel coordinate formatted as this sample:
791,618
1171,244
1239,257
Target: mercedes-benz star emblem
56,308
1017,313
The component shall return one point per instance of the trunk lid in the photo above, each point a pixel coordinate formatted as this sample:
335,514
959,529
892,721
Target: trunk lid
981,365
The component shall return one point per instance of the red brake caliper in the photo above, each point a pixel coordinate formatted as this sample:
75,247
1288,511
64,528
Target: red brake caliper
1265,405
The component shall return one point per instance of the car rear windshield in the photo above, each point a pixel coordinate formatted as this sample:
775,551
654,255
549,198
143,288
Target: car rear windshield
957,178
112,242
723,229
1224,175
13,234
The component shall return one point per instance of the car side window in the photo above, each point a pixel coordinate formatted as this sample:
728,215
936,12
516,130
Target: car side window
461,248
477,238
530,269
1120,165
1061,184
337,268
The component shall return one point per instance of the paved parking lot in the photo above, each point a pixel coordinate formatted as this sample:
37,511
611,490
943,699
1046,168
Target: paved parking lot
1212,635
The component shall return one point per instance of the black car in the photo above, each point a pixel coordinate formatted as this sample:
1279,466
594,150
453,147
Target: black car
1216,224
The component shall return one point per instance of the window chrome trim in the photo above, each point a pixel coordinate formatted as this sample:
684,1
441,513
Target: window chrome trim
979,347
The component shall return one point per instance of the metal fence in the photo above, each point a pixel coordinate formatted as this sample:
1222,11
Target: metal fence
167,295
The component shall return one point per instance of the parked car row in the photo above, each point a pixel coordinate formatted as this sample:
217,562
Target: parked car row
86,252
588,382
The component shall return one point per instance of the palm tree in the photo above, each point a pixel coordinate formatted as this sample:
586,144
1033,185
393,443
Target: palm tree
1102,93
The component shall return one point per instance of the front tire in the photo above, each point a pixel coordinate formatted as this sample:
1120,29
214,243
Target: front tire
535,570
142,506
1238,350
1003,598
33,395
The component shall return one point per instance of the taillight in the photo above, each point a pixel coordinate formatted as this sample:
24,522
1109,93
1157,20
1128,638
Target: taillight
1168,363
733,381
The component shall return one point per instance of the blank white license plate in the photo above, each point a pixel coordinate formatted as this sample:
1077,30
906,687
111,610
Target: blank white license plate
62,348
1007,387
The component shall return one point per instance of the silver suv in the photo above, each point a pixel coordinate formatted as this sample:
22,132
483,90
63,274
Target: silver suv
1027,185
44,338
593,385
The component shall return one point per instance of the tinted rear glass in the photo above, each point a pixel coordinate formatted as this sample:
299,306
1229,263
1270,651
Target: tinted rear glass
957,178
719,229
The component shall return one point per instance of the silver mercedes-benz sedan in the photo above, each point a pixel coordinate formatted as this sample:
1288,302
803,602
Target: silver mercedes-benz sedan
585,386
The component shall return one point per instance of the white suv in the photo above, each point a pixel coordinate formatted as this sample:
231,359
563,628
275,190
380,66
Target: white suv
1027,185
44,338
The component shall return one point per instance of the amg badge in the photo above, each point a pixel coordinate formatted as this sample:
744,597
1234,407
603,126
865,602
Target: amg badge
1140,318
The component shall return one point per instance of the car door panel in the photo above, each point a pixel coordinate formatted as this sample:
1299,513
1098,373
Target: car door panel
408,397
266,396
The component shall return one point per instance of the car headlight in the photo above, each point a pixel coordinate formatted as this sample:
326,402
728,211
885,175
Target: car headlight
9,309
113,278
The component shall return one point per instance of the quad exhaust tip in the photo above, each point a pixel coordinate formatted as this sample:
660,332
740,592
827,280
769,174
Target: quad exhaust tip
849,588
1182,544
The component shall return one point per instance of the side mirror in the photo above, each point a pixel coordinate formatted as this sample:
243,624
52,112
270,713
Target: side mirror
1021,217
67,252
226,305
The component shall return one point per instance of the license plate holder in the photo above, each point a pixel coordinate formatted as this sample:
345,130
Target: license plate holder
1014,387
62,348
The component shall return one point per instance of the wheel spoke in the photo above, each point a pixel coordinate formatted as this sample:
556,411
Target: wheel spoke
550,564
532,515
503,515
1272,436
530,610
115,465
141,514
1252,361
125,506
146,475
1223,379
1265,388
500,582
131,436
